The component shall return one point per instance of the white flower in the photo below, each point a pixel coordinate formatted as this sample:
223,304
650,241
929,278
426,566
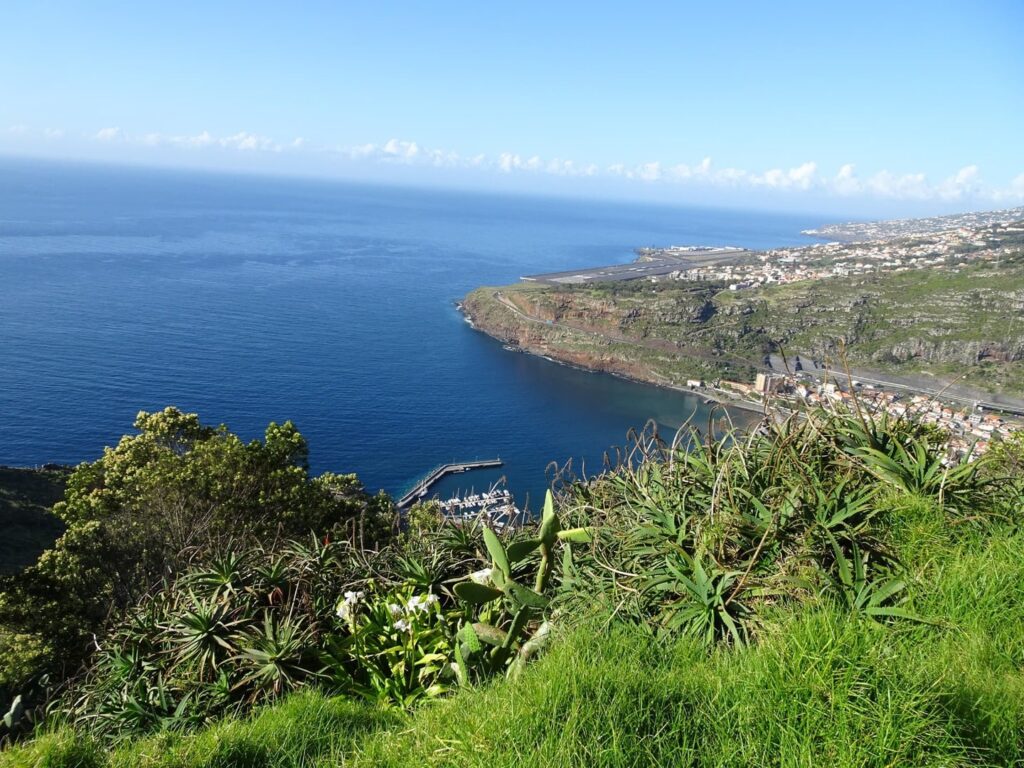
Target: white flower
395,610
420,603
481,577
347,606
402,625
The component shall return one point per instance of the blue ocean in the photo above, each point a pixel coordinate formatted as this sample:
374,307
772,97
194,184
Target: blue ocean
256,299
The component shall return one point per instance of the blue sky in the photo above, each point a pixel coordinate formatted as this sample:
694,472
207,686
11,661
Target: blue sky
875,107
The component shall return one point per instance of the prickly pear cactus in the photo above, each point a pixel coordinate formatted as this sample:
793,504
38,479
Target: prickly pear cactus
516,628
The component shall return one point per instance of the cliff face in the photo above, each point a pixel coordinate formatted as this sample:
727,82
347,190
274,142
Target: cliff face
966,323
623,333
912,320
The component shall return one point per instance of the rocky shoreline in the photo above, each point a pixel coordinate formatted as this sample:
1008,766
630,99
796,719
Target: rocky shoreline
516,338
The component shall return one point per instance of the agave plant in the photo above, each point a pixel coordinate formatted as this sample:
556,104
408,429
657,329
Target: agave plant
922,469
270,580
699,600
874,599
276,657
224,576
129,693
310,557
205,635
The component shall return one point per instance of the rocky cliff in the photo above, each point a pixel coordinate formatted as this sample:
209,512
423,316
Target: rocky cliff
965,323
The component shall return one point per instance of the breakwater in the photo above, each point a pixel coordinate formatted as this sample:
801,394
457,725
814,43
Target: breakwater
420,489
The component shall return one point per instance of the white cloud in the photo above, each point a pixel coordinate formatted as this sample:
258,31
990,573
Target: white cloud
109,134
507,162
402,150
773,178
363,150
242,141
802,177
1013,192
198,141
732,177
966,183
963,185
559,167
440,158
650,171
26,131
907,186
682,171
846,181
247,142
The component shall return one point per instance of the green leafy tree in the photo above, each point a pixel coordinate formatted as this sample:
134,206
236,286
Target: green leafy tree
170,495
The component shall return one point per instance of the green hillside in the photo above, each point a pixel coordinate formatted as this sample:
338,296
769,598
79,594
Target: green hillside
26,496
964,323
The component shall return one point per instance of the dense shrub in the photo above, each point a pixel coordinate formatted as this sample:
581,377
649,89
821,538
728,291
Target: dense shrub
252,625
176,493
700,536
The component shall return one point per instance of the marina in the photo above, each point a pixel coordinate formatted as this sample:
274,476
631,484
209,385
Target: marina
495,507
421,488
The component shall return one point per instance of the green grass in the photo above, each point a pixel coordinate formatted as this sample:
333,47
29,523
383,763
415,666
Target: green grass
818,687
306,729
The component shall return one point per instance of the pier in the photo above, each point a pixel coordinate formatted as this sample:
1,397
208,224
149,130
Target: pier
419,490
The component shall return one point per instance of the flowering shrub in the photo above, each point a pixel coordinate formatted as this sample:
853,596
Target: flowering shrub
247,627
394,646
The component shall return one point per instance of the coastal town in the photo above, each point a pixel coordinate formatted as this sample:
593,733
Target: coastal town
947,249
971,430
947,244
859,231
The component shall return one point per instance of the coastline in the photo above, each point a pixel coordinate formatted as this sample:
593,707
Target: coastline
706,394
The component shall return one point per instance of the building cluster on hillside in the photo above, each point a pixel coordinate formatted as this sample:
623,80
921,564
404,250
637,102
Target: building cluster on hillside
887,230
944,250
971,432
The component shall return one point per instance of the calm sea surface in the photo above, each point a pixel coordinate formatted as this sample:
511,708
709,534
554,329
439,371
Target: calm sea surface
251,300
